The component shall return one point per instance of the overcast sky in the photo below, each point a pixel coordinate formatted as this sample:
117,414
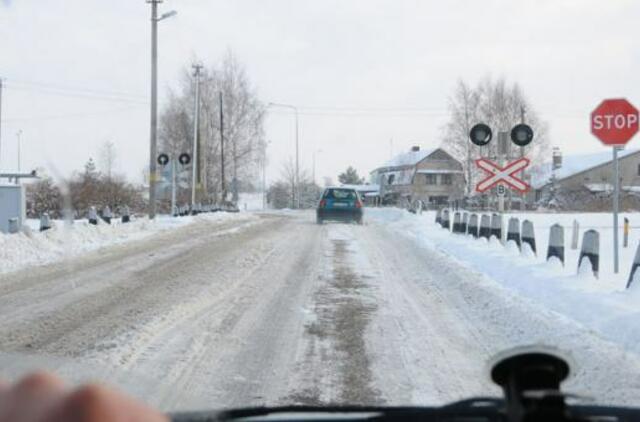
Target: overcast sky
362,72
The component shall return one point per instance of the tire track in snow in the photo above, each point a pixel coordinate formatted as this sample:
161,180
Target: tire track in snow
336,367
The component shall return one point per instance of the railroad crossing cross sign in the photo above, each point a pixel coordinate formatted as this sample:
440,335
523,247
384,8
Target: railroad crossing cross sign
502,175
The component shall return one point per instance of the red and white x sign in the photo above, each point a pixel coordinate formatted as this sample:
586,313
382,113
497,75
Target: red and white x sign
504,175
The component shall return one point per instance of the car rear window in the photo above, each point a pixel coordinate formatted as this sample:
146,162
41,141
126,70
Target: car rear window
340,194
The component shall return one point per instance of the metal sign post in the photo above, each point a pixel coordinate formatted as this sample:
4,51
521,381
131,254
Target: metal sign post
501,191
173,187
616,203
614,122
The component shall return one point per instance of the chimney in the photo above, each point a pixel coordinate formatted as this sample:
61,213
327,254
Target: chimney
415,148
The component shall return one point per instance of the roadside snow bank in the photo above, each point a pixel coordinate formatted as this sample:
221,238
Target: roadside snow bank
601,304
62,241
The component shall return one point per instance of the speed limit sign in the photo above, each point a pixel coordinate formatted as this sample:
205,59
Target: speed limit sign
501,190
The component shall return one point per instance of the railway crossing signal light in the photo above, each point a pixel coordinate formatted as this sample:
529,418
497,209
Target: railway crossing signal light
163,159
480,134
184,159
521,135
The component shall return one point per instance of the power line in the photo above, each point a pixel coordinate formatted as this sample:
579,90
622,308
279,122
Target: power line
69,88
74,115
369,113
87,95
77,95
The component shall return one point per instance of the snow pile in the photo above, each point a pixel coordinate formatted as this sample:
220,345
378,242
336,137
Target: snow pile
601,304
33,248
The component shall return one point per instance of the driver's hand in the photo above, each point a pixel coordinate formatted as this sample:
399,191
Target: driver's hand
43,397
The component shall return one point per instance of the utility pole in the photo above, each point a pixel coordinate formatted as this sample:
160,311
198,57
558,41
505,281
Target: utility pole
196,125
297,164
523,196
0,122
153,138
223,188
153,142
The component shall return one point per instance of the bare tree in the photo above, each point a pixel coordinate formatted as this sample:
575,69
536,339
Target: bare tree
463,107
501,107
243,116
282,193
288,177
44,196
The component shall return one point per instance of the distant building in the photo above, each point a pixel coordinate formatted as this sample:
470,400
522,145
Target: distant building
430,175
583,181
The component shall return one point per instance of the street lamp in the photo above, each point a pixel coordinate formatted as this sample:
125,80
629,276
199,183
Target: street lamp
169,14
297,186
153,144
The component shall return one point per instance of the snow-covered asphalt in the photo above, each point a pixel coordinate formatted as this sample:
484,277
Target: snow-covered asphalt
279,310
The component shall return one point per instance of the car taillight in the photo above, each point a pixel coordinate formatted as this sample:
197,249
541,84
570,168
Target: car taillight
323,203
358,204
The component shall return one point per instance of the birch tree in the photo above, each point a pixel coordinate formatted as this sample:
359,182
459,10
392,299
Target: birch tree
223,86
499,105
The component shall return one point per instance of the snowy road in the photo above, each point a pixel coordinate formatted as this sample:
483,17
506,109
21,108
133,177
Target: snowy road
279,310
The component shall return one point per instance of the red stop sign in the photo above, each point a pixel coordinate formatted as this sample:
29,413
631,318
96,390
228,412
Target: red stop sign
614,121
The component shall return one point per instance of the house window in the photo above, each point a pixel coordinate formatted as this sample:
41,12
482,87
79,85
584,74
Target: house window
447,179
390,179
430,179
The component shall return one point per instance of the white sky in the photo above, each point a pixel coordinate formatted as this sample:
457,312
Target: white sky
393,56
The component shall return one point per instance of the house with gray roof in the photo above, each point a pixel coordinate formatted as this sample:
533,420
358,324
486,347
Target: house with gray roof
430,175
586,177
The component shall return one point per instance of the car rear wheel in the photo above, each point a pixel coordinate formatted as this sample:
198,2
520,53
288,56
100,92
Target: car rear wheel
318,220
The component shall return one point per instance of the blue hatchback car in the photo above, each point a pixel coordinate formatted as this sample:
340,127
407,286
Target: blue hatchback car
340,204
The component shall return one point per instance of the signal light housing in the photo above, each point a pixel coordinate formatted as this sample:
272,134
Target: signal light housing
480,134
521,135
